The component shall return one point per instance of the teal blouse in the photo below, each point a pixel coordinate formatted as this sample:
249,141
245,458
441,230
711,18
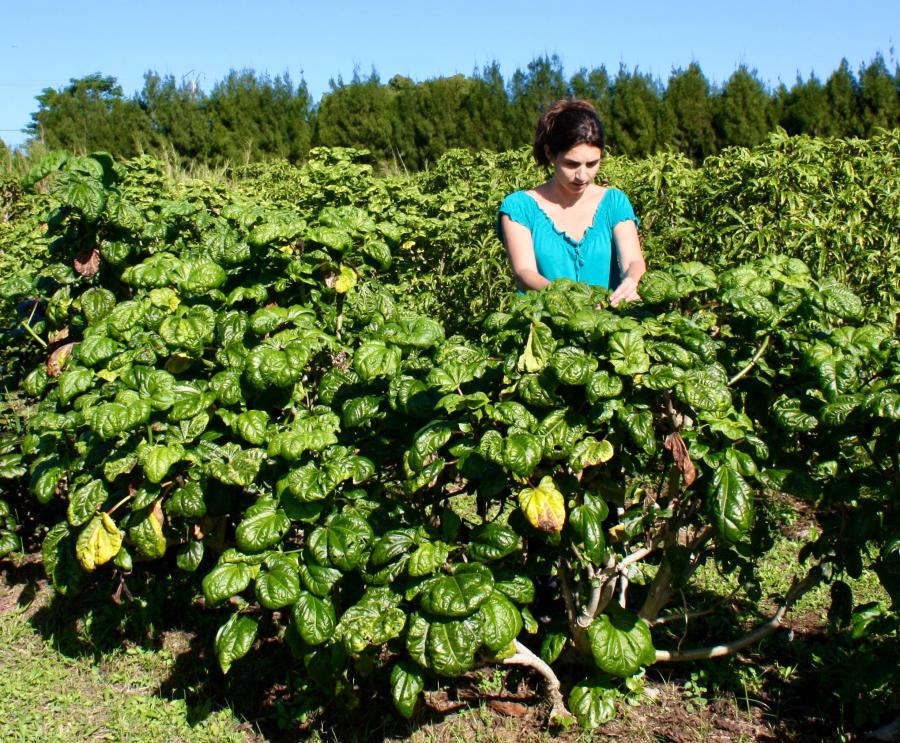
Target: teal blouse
592,259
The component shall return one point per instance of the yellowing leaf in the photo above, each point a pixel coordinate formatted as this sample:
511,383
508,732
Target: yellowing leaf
178,363
345,281
165,299
99,542
544,506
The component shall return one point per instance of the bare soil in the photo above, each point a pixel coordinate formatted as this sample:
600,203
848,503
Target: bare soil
511,709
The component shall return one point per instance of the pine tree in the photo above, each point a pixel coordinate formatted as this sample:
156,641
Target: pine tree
804,108
878,103
90,114
689,107
841,93
743,110
487,122
178,117
594,86
636,126
532,92
358,114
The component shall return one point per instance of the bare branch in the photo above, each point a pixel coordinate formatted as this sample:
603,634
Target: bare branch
797,589
603,587
559,713
684,616
634,557
623,589
568,597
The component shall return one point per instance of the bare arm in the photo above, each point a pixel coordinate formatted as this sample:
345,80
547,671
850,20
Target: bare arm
631,262
520,249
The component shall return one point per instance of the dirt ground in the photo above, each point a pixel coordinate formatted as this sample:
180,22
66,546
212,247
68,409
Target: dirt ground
672,706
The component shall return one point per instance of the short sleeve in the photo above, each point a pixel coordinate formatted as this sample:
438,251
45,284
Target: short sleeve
619,208
519,208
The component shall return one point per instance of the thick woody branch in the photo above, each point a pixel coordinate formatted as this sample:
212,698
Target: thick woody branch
559,713
604,586
634,557
568,597
797,589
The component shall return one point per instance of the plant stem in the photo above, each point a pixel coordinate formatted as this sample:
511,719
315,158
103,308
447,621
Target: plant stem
34,335
756,357
559,713
797,589
122,502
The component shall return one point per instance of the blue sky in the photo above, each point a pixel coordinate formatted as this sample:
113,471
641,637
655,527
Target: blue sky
45,44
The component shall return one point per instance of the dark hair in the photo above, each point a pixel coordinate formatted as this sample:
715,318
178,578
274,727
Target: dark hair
565,124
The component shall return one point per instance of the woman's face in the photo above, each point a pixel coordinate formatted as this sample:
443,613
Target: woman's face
577,167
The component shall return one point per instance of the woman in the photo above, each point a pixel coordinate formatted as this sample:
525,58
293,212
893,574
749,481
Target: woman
569,227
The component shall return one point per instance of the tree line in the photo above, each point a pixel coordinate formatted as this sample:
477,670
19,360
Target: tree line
250,117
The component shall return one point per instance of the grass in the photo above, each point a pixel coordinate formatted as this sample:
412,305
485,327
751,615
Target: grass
91,670
46,696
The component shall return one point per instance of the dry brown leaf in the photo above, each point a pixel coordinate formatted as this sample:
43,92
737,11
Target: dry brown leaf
675,444
511,709
87,262
57,359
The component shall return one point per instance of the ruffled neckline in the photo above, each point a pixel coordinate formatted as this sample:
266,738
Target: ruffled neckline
562,233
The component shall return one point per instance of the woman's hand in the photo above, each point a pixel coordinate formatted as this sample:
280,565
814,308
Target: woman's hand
626,290
631,262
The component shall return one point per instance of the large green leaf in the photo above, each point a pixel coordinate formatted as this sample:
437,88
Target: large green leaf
236,466
593,701
627,353
82,192
573,365
342,541
407,683
390,546
374,620
376,359
704,390
492,541
732,503
145,532
73,382
790,416
587,523
84,502
447,647
251,425
500,620
315,618
522,453
417,332
428,557
621,642
225,580
234,639
589,452
459,594
156,460
263,525
639,424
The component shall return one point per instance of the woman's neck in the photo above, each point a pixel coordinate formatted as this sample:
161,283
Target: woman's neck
556,194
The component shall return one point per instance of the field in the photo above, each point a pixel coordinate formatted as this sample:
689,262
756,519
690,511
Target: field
282,444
